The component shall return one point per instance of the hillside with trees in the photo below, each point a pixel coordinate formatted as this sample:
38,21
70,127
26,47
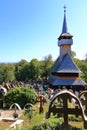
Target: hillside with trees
35,69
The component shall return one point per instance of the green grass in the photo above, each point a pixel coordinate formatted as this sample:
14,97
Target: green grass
39,119
39,122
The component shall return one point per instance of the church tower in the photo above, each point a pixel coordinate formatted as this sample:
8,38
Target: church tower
65,39
65,73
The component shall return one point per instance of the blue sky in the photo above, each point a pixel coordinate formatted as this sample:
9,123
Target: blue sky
30,28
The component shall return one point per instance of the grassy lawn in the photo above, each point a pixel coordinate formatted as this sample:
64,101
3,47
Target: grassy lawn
38,119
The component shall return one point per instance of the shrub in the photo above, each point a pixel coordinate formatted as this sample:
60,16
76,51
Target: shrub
50,126
74,118
22,96
43,126
46,126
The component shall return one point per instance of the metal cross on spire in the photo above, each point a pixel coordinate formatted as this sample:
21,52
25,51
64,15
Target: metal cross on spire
64,29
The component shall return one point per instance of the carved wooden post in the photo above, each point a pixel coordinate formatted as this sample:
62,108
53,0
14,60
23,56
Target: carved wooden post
65,125
41,105
42,100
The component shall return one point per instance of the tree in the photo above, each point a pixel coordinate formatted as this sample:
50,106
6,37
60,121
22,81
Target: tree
34,69
47,65
7,72
83,67
26,71
21,70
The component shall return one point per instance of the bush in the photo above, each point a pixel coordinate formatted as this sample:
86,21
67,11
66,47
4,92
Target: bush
22,96
43,126
74,118
50,126
46,126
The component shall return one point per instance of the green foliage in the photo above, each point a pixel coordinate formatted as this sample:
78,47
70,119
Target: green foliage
22,96
46,66
50,126
25,71
74,118
7,72
45,126
21,70
34,70
84,70
38,121
83,67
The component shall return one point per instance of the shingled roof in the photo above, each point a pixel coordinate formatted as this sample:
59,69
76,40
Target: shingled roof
65,66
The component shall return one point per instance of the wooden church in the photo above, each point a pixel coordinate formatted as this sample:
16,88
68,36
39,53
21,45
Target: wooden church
65,73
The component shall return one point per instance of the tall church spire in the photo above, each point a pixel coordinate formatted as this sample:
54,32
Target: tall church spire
65,37
64,29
